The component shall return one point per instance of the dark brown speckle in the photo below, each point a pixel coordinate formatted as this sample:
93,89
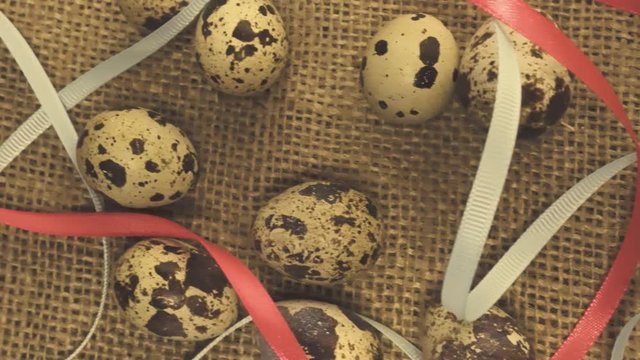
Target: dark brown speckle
481,39
137,146
329,193
125,292
204,274
157,197
209,9
531,95
559,102
90,169
114,172
425,78
381,47
165,324
151,166
301,271
171,297
430,51
292,224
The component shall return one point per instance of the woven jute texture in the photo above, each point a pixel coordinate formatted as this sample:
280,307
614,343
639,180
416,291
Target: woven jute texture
314,125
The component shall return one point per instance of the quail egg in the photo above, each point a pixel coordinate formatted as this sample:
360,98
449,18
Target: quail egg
242,45
174,290
546,84
319,233
137,158
409,70
493,336
326,331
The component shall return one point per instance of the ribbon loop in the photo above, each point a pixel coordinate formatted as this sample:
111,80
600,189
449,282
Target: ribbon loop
489,182
533,240
523,18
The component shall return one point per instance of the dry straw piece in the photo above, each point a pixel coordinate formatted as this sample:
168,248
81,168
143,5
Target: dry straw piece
314,124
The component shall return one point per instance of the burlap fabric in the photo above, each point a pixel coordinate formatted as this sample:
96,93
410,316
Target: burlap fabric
313,125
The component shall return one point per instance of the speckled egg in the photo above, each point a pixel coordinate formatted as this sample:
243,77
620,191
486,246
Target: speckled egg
242,45
319,233
546,90
136,158
151,14
493,336
174,290
410,68
327,332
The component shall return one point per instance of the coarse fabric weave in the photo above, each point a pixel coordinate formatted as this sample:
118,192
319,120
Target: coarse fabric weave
314,124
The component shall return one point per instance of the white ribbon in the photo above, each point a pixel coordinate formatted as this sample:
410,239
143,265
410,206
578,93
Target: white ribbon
54,106
457,295
43,89
487,187
533,240
623,339
403,344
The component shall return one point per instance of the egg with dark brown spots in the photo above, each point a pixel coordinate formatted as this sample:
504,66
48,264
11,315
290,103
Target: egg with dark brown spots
241,45
327,332
495,335
409,69
137,158
319,233
546,84
174,290
151,14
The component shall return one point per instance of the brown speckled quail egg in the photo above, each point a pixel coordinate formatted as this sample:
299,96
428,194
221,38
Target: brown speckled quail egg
151,14
174,290
242,45
319,233
493,336
410,68
326,331
546,90
136,158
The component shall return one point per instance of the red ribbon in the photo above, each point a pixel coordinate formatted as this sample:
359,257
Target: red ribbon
524,19
632,6
255,298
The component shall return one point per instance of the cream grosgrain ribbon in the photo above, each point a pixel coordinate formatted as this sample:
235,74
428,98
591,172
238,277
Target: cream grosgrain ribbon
457,295
489,181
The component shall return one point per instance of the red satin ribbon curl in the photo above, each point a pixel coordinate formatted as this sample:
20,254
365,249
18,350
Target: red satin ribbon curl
524,19
252,294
